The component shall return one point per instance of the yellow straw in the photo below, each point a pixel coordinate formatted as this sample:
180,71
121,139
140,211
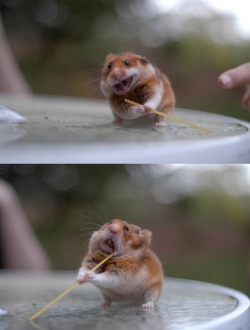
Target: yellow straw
181,121
42,310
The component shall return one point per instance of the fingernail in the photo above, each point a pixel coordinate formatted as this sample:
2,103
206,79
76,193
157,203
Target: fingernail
226,80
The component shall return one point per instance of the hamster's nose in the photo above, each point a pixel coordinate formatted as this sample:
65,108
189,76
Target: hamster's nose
114,229
117,75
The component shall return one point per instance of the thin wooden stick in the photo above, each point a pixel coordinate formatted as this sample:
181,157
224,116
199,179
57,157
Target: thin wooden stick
63,294
181,121
42,310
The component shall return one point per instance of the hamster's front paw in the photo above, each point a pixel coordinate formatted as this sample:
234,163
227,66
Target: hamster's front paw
89,276
81,277
84,276
137,109
147,108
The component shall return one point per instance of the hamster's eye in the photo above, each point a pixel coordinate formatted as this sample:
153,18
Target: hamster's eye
110,222
109,65
125,228
127,63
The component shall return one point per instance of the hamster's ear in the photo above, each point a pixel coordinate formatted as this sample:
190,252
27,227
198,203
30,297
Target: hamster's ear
147,235
109,57
143,60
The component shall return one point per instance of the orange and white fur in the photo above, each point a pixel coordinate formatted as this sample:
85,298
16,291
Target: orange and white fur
132,76
133,273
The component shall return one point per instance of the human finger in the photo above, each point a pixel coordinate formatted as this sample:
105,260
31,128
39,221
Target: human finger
238,76
246,98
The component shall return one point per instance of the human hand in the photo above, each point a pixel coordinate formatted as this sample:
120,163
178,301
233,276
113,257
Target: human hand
238,76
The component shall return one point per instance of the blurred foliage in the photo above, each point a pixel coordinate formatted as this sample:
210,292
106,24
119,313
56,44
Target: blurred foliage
228,270
199,215
61,45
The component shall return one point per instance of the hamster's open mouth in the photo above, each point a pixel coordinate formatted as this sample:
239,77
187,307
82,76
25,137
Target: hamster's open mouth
123,87
110,244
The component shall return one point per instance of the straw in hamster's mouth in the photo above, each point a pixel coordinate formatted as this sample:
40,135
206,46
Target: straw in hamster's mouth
123,87
110,244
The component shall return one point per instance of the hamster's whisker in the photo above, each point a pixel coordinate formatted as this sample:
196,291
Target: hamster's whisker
98,225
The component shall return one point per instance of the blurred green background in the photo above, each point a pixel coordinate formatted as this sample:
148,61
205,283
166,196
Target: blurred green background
60,46
199,215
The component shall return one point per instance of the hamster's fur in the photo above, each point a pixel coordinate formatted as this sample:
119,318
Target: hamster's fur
133,273
132,76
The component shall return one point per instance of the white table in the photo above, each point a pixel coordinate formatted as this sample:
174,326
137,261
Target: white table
184,304
72,130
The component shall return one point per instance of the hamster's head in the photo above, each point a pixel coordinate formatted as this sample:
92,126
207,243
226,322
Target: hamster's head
120,238
121,72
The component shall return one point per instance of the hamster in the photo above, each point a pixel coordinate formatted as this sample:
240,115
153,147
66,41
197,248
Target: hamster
132,76
134,272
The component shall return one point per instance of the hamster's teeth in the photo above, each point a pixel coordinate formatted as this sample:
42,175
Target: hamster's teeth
110,243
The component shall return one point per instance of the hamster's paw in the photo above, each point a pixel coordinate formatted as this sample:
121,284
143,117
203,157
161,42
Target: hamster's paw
147,108
137,109
148,305
89,276
106,304
117,121
81,277
85,276
161,124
